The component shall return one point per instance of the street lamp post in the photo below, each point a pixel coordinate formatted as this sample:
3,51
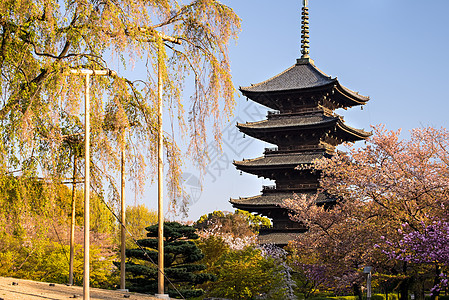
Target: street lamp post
123,220
160,167
87,74
367,270
160,173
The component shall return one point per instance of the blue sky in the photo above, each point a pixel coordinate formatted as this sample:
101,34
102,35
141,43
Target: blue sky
395,51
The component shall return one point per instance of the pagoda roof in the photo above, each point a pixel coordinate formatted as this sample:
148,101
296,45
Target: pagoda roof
280,238
271,200
297,77
280,160
303,76
289,121
299,122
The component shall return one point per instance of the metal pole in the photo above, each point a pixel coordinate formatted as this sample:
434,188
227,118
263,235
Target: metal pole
86,290
122,233
87,73
368,287
160,174
72,222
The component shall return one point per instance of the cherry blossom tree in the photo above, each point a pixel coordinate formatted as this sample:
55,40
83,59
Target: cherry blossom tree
375,189
429,245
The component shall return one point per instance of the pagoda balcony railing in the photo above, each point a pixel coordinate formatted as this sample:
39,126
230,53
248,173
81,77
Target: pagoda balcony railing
298,148
293,187
268,187
273,149
300,111
273,112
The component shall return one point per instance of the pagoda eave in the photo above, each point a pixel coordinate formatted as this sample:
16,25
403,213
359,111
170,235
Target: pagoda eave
270,200
275,199
273,126
269,99
278,161
261,171
280,237
350,97
352,134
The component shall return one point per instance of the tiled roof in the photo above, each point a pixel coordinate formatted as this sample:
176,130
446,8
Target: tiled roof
277,238
353,94
281,159
360,133
289,121
272,199
298,121
303,76
298,76
263,200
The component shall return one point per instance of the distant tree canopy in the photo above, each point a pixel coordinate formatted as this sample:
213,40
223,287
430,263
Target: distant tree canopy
138,217
240,223
180,261
34,229
41,124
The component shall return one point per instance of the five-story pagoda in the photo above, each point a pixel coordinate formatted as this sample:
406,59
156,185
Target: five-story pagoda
304,127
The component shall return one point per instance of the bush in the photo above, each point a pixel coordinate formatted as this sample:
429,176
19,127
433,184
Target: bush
246,274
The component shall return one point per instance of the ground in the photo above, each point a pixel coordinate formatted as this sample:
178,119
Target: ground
20,289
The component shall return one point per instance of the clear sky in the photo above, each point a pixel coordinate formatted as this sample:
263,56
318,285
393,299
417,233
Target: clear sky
395,51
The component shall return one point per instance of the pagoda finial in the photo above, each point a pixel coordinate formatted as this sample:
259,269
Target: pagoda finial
305,30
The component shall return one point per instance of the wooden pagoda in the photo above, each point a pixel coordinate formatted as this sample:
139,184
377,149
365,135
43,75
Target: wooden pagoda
304,127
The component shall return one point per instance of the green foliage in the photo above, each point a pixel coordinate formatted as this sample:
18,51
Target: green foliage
213,247
246,274
181,255
373,297
334,298
40,41
33,233
241,223
137,219
256,222
41,130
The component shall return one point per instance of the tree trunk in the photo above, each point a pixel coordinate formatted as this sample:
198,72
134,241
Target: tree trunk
436,282
403,287
357,291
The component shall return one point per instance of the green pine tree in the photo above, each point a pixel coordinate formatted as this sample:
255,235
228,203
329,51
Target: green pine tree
180,262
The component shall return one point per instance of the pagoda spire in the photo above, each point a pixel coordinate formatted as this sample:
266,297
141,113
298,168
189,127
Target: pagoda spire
305,30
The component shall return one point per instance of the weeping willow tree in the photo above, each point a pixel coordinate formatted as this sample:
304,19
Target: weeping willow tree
40,110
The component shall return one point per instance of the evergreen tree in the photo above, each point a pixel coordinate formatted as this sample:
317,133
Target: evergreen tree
180,257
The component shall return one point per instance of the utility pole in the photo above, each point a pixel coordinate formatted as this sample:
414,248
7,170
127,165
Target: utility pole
367,270
160,168
123,220
160,178
86,73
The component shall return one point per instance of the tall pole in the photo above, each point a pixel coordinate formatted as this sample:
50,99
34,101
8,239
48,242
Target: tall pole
72,222
368,286
367,270
122,215
160,174
86,290
87,73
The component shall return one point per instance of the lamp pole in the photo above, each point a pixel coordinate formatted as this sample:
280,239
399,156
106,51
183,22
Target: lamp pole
123,220
367,270
160,175
160,168
87,73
